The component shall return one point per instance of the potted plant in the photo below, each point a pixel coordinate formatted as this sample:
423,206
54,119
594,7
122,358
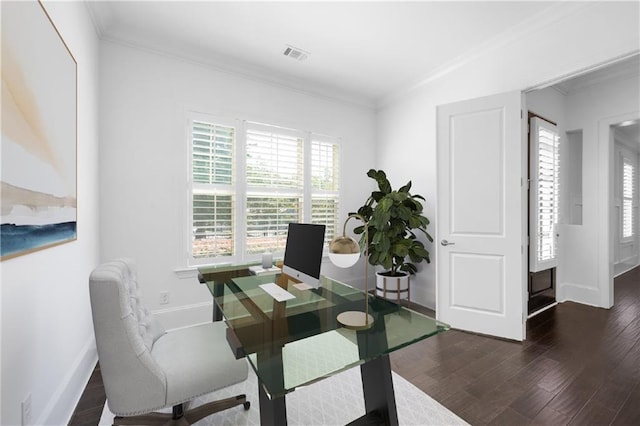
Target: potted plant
393,218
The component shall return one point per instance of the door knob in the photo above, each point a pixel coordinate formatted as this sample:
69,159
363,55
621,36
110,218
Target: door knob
446,243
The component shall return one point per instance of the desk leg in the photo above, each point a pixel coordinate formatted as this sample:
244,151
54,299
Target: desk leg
217,312
273,412
377,385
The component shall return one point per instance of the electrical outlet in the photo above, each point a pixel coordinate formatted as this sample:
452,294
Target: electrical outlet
26,410
164,297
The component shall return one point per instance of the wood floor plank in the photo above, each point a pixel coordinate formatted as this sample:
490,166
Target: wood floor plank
530,403
629,414
509,417
594,413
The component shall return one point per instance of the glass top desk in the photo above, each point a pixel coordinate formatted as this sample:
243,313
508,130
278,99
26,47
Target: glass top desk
299,341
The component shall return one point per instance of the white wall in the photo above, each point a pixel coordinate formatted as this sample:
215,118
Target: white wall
144,158
48,349
588,109
592,33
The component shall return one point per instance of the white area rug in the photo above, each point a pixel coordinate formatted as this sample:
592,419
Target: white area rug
337,400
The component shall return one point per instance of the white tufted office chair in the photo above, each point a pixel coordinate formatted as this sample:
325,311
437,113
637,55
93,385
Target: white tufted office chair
145,368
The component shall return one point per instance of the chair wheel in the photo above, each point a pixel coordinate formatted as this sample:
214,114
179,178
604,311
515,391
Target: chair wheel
247,405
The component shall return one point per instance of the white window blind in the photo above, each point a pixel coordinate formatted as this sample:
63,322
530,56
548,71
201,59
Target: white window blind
544,190
212,190
325,184
628,195
275,186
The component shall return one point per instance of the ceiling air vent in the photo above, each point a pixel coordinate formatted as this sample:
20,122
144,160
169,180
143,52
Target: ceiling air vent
295,53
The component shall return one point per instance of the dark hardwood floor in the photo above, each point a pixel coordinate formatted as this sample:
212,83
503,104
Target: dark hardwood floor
89,408
579,365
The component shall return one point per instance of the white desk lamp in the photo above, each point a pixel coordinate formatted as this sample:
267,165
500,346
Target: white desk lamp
344,252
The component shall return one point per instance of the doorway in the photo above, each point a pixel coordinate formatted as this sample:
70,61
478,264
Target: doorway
543,197
588,110
624,216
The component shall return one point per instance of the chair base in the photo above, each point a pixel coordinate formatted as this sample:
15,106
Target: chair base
180,417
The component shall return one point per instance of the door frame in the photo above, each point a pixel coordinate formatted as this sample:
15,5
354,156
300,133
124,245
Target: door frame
606,192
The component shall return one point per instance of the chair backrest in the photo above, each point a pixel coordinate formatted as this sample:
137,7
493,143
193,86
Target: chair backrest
125,332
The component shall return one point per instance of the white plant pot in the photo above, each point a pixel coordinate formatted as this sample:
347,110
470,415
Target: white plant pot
392,288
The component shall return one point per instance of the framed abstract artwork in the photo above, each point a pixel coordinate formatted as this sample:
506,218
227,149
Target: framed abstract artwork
38,173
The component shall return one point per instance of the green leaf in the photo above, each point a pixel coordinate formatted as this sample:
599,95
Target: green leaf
400,250
405,188
414,222
404,213
384,245
385,204
381,178
377,195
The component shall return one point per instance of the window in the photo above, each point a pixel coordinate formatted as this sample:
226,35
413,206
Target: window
325,185
544,175
249,181
212,189
628,192
275,186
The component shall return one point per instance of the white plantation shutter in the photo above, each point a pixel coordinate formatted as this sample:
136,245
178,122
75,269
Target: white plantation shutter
325,184
212,190
628,196
213,219
544,175
274,158
212,153
275,186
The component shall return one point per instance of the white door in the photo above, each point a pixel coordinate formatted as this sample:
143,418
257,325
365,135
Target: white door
481,216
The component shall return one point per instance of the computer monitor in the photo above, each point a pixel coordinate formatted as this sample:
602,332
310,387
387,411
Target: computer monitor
303,252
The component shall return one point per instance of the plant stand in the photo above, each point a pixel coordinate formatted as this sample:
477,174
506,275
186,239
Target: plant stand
394,288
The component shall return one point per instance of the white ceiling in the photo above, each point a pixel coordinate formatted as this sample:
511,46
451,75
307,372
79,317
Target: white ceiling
358,51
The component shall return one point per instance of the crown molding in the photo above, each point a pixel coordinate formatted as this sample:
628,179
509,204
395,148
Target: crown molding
548,16
98,25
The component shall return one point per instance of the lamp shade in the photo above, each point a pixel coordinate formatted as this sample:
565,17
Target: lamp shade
344,252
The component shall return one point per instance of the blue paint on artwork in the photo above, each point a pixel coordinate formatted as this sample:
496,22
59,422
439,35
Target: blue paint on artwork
19,238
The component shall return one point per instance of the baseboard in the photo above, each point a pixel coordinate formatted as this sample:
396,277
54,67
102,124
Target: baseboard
63,403
623,268
185,315
570,292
